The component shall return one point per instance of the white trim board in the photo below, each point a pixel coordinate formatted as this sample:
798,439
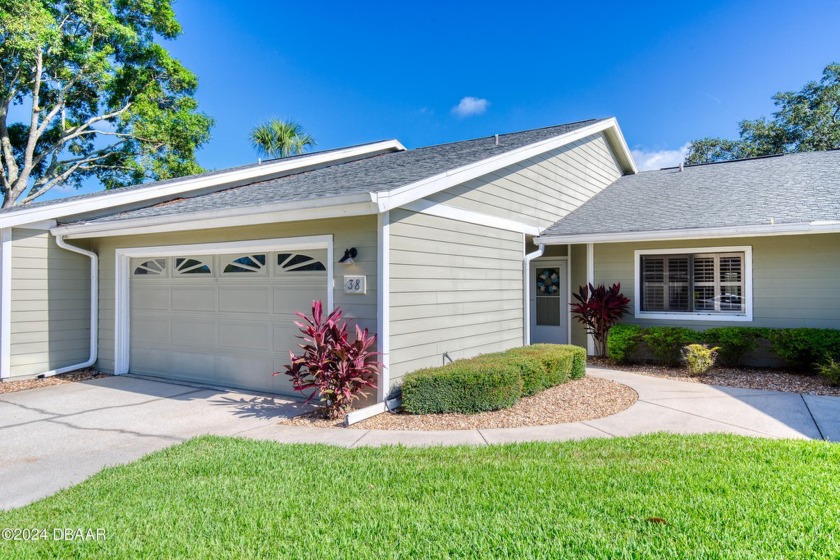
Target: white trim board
115,198
459,214
685,316
318,209
695,233
5,302
590,279
383,311
388,200
122,307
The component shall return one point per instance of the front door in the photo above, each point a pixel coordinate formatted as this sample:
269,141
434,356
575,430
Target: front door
549,302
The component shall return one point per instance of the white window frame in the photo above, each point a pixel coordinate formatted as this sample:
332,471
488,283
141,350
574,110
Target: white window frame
746,316
123,256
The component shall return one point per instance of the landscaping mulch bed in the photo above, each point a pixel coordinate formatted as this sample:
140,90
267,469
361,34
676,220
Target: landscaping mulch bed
70,377
582,399
744,378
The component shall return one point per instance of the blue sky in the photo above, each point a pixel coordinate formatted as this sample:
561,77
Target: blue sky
363,71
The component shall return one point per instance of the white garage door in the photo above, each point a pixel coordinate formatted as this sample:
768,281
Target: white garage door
222,319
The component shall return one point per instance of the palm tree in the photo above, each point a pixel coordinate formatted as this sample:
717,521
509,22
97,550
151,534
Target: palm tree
278,138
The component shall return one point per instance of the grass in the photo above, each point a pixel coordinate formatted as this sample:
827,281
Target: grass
720,496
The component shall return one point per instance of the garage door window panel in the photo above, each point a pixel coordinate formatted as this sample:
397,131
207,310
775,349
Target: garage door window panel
192,265
290,262
154,267
247,264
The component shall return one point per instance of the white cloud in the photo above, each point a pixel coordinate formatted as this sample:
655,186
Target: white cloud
470,106
658,159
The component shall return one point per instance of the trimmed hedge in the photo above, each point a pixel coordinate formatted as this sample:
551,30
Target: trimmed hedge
734,342
802,348
491,381
666,342
805,348
464,386
623,341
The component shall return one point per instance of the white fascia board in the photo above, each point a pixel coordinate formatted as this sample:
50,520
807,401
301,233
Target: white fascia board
698,233
443,211
118,198
622,150
388,200
320,208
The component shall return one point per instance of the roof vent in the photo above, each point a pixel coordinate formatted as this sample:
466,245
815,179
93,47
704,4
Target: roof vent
497,139
682,166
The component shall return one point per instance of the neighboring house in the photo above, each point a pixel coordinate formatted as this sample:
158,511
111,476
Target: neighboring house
444,252
752,242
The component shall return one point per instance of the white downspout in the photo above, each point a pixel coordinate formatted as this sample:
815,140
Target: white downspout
526,339
94,308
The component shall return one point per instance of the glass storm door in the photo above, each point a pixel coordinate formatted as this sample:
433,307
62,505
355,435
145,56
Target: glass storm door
549,302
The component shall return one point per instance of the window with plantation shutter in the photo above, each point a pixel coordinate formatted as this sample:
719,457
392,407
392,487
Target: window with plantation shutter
697,283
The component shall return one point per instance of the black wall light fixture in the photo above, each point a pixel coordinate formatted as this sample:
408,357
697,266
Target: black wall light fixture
349,255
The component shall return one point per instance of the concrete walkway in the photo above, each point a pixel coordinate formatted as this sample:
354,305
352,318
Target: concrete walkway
663,406
53,437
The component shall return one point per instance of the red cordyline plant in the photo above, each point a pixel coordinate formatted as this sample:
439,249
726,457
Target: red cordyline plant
339,370
599,309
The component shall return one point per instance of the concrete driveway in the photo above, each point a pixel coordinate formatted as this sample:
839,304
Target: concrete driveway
53,437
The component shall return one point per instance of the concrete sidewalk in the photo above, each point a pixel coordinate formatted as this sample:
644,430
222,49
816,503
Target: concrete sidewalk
663,406
53,437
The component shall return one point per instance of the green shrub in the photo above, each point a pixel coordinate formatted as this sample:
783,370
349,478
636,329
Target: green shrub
805,348
578,363
491,381
561,361
830,368
734,342
623,341
698,358
466,386
531,369
666,342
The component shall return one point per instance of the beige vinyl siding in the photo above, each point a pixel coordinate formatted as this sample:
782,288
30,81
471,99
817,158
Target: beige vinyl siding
50,304
541,190
794,278
455,287
359,232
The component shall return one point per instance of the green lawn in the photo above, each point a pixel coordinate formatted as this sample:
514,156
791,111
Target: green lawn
721,496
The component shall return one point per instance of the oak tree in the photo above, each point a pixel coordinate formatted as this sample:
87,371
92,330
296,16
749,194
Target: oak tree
88,91
807,120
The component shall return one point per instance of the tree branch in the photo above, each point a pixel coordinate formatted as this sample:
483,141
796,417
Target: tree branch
82,129
20,184
8,153
46,183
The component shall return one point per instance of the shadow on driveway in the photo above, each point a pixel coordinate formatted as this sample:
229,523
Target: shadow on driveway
815,416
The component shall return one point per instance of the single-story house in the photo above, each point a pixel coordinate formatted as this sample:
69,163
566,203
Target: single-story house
444,252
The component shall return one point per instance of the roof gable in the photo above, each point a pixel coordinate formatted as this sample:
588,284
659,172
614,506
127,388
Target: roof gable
387,180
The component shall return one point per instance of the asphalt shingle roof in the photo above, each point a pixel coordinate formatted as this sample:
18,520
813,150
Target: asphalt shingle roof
379,173
101,194
792,188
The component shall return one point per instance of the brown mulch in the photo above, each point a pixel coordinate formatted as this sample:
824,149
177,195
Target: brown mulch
582,399
769,379
70,377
